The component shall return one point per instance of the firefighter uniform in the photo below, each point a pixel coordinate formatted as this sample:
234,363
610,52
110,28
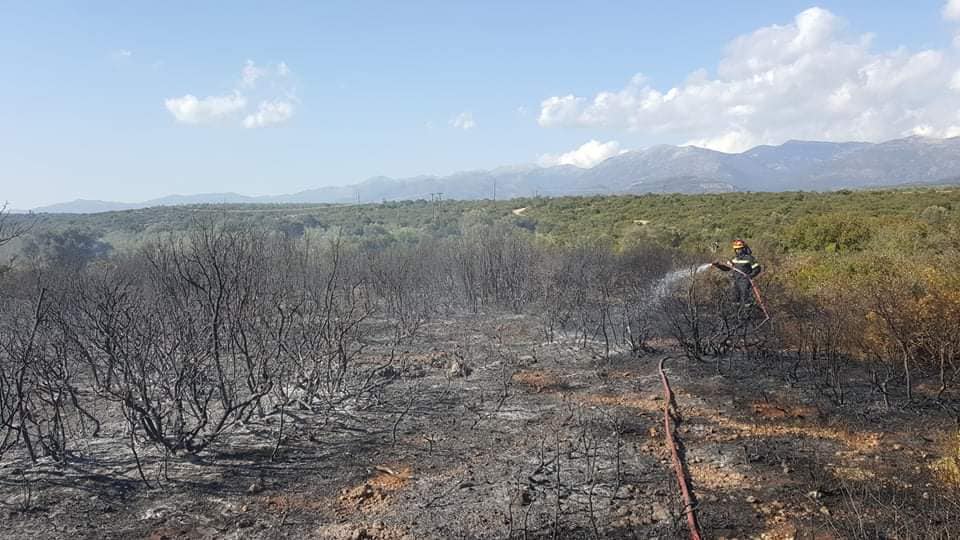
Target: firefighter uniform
747,268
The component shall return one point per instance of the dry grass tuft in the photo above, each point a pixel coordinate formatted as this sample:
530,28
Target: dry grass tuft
948,467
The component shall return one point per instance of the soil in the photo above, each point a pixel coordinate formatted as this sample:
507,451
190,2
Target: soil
524,439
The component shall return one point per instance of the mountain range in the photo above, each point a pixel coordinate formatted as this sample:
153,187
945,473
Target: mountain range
792,166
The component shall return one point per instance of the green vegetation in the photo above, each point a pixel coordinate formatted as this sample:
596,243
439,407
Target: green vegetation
792,222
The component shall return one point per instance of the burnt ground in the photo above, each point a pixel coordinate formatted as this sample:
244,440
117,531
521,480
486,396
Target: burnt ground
491,433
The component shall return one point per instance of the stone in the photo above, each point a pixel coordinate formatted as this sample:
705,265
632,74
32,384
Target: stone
458,369
659,513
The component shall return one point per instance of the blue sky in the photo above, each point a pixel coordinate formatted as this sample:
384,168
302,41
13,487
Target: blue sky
109,100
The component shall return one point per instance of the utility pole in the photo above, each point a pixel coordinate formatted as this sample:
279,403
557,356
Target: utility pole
494,190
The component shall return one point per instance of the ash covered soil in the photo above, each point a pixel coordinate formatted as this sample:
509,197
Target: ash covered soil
488,432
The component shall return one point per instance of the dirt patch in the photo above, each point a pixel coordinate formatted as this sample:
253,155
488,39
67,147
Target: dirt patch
288,503
377,490
721,480
392,478
780,531
733,429
770,409
361,531
539,380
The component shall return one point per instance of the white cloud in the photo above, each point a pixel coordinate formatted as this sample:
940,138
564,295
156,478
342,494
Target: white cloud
463,121
269,113
731,141
587,155
808,79
558,111
951,11
251,73
191,110
276,100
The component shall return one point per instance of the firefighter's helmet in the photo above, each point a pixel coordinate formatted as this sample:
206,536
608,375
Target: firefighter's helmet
738,244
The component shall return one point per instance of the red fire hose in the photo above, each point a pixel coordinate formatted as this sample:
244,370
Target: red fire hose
675,454
756,294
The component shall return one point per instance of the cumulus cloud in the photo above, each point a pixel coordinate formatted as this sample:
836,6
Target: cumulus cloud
191,110
275,100
951,11
587,155
806,79
269,112
463,121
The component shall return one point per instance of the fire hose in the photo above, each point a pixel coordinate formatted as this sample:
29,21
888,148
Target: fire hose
675,455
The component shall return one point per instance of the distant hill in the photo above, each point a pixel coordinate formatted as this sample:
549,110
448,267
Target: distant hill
794,165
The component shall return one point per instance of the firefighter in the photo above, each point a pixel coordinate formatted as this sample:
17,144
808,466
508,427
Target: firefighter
745,268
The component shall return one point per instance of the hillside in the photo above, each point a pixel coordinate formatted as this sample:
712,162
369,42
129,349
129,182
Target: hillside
794,165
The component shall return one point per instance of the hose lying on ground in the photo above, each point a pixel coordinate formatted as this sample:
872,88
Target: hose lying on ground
675,455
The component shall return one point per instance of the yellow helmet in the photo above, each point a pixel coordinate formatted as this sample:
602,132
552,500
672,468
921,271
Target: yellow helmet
738,244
